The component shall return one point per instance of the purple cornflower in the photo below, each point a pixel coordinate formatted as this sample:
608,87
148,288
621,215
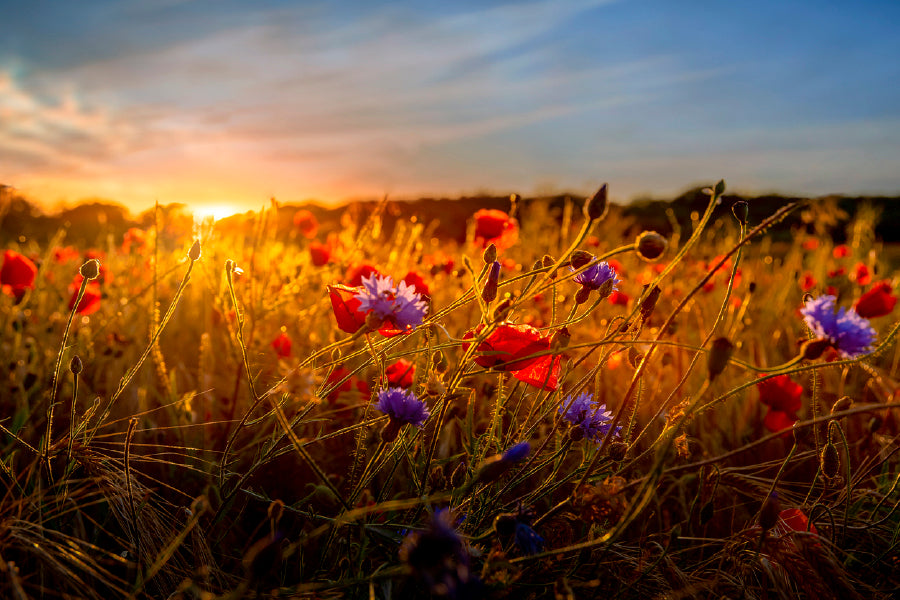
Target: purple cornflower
438,556
527,539
402,406
517,452
597,276
401,305
847,332
592,419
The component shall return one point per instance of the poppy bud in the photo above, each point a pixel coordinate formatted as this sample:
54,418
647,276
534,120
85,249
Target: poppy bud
769,514
490,254
580,258
458,477
194,252
489,291
650,245
719,355
547,262
618,450
76,366
649,302
813,349
538,265
842,404
501,311
595,207
720,187
583,294
830,460
90,269
560,339
741,211
439,362
634,357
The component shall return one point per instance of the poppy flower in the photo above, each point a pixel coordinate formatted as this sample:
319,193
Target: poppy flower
619,298
811,244
90,302
840,251
836,272
542,374
306,223
340,373
18,271
65,254
282,345
400,373
357,272
346,307
781,393
414,279
509,347
778,420
807,281
794,519
877,302
319,253
134,238
862,274
495,227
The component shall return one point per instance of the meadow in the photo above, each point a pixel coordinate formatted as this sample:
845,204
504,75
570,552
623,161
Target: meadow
561,406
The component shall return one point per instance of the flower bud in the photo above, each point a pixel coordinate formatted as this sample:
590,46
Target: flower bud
489,291
583,294
547,262
813,349
634,357
560,339
580,258
90,269
741,211
439,362
719,355
650,245
842,404
490,254
595,207
76,366
501,311
720,187
769,514
538,265
649,302
194,252
458,477
830,460
617,451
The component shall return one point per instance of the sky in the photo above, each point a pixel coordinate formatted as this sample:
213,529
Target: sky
226,103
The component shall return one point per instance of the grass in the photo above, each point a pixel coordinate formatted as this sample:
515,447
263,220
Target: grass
183,456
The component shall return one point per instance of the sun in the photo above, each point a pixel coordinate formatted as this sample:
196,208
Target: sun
216,211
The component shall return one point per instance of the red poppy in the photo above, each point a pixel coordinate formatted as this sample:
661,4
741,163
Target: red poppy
307,223
807,281
877,302
509,347
338,374
619,268
495,227
90,302
811,244
593,240
282,345
414,279
840,251
356,273
65,254
781,393
319,253
794,519
401,373
777,420
134,238
861,274
346,308
18,271
836,272
542,374
619,298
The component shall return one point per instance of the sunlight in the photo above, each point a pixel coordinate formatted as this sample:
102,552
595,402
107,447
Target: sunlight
216,211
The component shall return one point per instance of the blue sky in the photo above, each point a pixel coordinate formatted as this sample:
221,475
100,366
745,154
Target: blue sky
228,103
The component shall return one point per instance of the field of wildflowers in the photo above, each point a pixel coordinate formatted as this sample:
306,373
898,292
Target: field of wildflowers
557,407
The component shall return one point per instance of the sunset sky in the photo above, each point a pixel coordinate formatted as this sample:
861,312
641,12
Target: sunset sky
230,102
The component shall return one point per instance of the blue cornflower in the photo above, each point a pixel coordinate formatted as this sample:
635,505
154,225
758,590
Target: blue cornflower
517,452
592,419
847,332
401,305
438,556
402,407
527,539
597,276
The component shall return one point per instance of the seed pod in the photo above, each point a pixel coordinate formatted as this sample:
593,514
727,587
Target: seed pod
617,451
719,355
76,366
842,404
490,254
650,245
595,207
830,460
90,269
194,252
